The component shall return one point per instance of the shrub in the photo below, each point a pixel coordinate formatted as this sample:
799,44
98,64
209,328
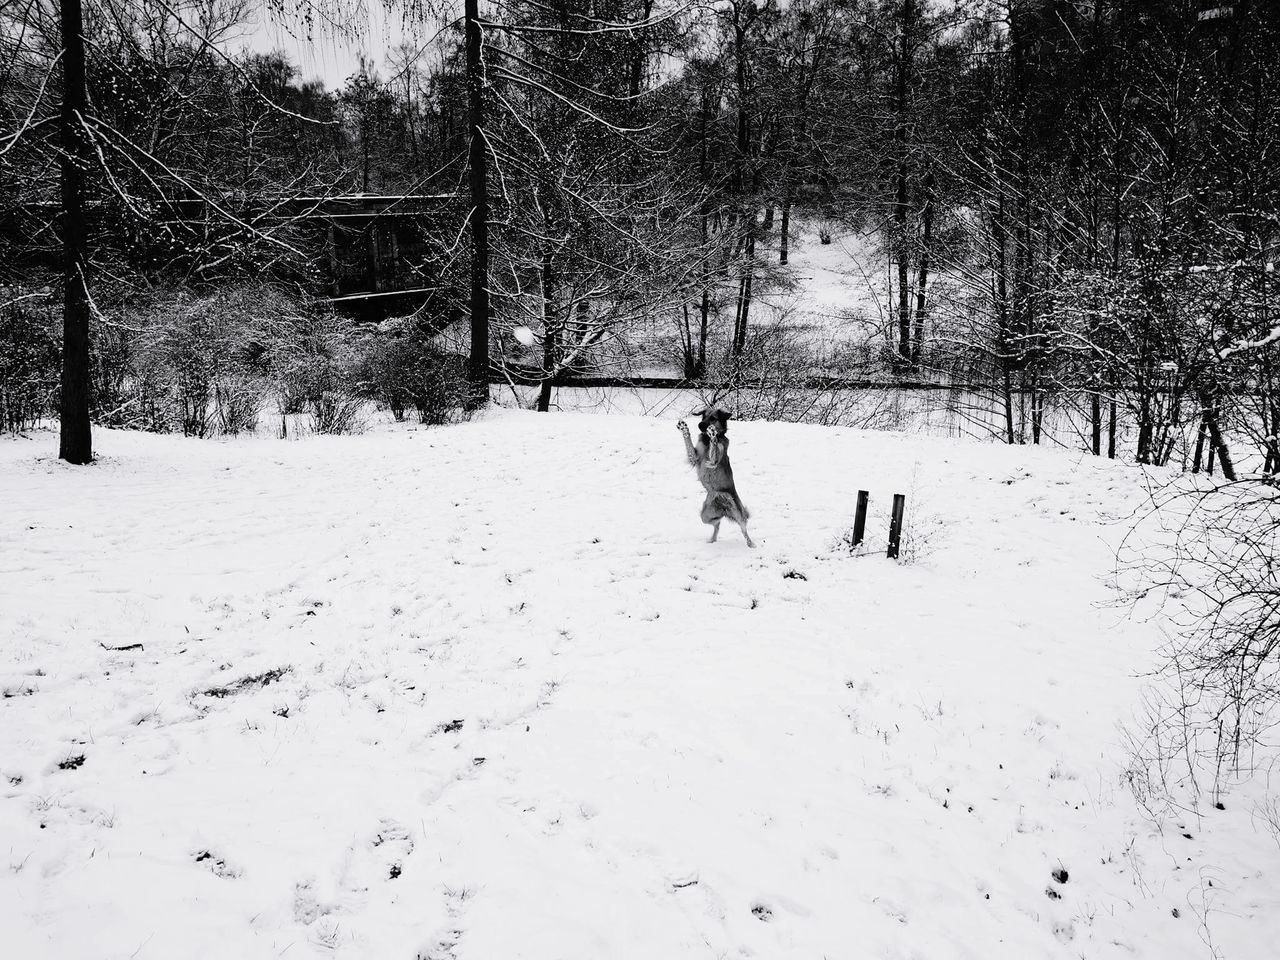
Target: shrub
313,358
238,403
336,412
209,363
403,369
30,363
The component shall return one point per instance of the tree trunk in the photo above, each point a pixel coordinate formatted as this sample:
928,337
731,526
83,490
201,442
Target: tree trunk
1037,408
686,342
413,127
744,291
640,56
1217,444
784,240
1008,409
1198,459
1273,443
478,363
1095,420
704,209
1111,431
75,443
900,181
922,278
705,309
904,293
549,336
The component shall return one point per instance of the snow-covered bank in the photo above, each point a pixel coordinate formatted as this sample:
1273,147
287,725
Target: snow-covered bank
485,692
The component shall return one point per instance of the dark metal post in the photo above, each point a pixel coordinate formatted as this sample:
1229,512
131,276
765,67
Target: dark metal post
860,519
895,525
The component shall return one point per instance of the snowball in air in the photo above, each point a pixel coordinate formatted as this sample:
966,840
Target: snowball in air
524,335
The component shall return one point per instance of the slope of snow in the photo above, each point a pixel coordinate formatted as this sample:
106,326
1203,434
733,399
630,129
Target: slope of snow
486,692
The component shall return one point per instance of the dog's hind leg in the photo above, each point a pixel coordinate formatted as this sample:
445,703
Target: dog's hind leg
715,530
738,514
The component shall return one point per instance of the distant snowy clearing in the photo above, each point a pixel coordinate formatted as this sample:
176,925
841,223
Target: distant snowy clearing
486,692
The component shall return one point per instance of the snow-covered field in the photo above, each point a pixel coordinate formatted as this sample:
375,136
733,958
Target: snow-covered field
485,692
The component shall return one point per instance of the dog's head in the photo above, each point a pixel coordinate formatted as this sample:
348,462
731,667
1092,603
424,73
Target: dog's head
714,423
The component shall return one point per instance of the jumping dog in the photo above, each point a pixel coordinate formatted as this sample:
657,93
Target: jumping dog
710,458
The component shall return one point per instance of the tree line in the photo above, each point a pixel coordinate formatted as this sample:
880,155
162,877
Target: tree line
1072,202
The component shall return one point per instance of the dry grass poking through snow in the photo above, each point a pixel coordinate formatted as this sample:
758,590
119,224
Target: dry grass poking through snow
485,692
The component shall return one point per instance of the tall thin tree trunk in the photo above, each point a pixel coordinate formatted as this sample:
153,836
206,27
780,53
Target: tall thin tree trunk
904,292
900,181
75,444
640,56
1095,421
409,111
549,336
1273,444
922,277
784,240
1111,430
478,363
1037,407
704,208
704,311
744,293
1198,459
1009,436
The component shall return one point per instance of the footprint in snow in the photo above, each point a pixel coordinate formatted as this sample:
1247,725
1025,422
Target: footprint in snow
217,865
444,943
393,845
306,908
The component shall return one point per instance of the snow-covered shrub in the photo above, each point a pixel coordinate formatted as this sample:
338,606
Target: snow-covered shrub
198,361
778,377
209,363
313,357
30,358
404,370
336,412
238,403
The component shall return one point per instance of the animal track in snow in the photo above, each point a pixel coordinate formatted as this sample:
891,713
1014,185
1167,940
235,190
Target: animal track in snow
217,865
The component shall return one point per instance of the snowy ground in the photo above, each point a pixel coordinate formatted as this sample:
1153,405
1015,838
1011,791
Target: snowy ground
485,692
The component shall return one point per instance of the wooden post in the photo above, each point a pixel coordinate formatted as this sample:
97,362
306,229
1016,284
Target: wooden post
895,525
860,519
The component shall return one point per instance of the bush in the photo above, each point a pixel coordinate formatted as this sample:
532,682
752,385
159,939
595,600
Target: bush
773,379
404,370
313,358
30,362
189,362
238,403
209,363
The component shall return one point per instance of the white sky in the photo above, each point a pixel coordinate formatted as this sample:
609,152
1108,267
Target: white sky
326,55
